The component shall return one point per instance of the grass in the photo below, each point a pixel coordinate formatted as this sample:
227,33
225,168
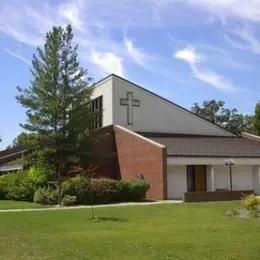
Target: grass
169,231
10,204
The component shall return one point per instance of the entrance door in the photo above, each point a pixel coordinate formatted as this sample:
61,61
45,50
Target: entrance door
200,177
196,178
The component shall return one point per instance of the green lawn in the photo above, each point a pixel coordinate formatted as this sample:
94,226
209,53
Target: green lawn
169,231
10,204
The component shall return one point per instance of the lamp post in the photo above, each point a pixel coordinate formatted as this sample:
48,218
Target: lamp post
230,162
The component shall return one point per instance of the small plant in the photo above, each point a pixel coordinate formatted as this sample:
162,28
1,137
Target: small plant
69,200
45,196
251,202
234,211
253,213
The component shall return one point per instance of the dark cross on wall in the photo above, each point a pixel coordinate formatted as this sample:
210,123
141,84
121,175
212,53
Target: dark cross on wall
130,102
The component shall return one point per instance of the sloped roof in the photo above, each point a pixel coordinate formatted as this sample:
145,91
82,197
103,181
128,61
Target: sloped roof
11,154
213,146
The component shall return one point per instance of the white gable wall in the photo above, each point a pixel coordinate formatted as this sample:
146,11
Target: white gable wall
157,115
105,89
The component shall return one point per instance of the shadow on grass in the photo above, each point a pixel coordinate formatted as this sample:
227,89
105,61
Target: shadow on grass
109,219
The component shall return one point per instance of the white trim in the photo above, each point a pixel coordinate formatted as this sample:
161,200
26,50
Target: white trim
139,136
210,161
7,168
113,103
102,81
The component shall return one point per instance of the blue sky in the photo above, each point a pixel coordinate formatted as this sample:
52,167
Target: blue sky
184,50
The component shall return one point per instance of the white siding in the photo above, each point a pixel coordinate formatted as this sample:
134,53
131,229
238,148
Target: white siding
257,179
221,177
157,115
209,178
176,181
242,177
105,89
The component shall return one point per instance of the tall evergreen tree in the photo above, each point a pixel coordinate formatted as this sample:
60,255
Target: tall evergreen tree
256,120
58,104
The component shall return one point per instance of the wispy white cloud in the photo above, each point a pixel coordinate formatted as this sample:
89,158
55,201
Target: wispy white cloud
16,55
190,56
108,62
245,39
249,9
73,13
214,79
224,57
28,24
148,61
206,11
137,55
93,21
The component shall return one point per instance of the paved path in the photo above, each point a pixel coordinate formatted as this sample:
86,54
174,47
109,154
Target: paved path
96,206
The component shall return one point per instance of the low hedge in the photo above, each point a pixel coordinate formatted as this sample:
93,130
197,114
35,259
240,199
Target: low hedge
21,185
102,191
31,185
46,196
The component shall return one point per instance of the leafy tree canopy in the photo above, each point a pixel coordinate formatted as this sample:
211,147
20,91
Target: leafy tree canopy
215,112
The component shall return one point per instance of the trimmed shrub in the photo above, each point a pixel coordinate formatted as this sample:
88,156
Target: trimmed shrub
105,191
3,187
102,191
138,189
251,202
21,185
45,196
69,200
77,186
21,189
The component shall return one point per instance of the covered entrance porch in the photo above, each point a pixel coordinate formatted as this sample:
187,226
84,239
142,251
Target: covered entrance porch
209,178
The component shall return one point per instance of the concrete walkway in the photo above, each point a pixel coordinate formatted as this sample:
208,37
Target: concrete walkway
96,206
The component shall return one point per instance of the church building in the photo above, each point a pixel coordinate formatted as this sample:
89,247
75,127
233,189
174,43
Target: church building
179,153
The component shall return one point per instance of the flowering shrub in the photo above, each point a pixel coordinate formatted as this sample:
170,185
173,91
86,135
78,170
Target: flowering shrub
102,190
251,202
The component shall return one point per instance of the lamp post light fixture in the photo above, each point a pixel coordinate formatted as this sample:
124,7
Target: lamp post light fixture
230,162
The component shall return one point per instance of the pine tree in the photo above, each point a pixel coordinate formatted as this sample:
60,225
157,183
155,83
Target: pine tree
58,104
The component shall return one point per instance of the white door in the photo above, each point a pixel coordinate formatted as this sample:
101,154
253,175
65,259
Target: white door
176,181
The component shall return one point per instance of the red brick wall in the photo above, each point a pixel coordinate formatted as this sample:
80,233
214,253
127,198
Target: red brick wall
137,154
106,165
